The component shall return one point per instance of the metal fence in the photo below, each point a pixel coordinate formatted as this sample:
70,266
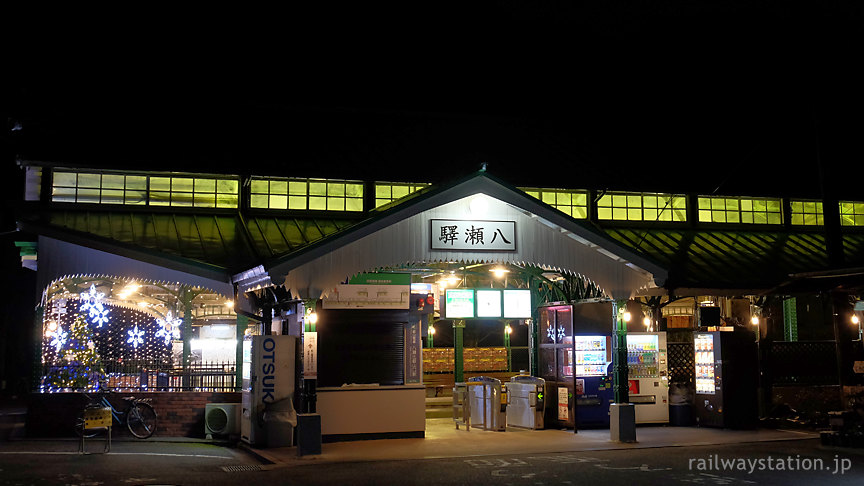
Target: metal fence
802,363
149,375
682,365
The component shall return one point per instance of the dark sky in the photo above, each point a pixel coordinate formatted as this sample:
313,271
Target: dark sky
735,97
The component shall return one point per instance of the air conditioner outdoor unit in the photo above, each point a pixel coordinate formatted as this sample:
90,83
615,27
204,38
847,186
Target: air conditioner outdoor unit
221,420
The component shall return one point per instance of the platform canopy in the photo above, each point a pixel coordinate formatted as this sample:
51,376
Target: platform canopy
477,219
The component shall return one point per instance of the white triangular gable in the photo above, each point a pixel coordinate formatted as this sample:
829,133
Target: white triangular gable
551,240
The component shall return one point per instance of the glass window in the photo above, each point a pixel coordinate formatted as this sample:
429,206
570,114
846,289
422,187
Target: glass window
387,192
306,194
747,210
571,202
851,213
630,206
117,188
806,213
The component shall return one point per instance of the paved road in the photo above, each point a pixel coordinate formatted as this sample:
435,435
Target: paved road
151,463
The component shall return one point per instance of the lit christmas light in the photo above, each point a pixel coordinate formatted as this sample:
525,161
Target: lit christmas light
136,337
59,338
91,302
169,328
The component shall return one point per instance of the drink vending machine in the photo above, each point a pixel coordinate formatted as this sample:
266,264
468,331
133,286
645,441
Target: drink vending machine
268,417
727,367
648,377
575,367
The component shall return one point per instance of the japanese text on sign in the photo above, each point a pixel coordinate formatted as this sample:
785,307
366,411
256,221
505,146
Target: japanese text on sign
448,234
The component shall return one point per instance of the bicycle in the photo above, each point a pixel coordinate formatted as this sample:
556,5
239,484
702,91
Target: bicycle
138,416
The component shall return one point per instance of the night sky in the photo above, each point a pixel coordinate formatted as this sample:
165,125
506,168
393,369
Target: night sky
715,97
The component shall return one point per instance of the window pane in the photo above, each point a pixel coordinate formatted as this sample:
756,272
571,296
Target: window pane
549,198
258,200
160,183
705,216
158,198
619,214
580,199
399,192
136,197
65,179
226,200
353,204
205,200
278,187
381,202
136,182
259,187
89,180
112,181
634,201
335,204
112,196
604,213
297,187
63,194
382,191
296,202
278,201
580,212
619,201
183,184
205,185
88,195
317,188
317,203
227,186
336,189
563,198
605,201
181,199
354,190
634,214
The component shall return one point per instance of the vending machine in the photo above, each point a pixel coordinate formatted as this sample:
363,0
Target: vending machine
268,391
648,376
589,365
727,379
576,367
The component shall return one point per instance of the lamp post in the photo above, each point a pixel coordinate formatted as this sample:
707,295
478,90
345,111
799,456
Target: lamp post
622,413
430,332
507,331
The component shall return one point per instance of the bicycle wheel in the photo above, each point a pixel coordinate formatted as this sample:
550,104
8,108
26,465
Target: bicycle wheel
141,420
79,423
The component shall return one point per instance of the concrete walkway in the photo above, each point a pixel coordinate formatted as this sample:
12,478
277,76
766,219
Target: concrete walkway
443,440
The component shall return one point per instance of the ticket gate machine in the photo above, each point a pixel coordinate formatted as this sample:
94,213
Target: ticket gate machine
488,403
525,401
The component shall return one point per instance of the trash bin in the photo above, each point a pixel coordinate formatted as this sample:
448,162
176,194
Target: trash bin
280,419
488,403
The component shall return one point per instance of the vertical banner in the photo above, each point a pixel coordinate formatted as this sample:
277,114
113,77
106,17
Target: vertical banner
563,404
413,353
310,355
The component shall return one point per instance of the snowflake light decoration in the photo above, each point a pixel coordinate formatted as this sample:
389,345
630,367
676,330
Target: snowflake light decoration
59,338
169,327
555,335
136,337
91,302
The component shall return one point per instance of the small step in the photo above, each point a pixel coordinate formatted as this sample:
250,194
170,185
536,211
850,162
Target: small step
439,412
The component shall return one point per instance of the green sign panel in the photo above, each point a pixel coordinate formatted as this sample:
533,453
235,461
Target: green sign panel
381,279
459,304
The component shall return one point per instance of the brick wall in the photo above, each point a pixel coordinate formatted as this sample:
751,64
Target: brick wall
181,414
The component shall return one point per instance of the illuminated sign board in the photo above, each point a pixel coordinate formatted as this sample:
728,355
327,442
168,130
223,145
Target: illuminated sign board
459,304
451,234
487,304
517,304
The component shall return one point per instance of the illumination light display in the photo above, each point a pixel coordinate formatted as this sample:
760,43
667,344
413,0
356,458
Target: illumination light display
169,328
91,302
136,337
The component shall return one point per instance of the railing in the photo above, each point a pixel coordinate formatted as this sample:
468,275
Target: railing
802,363
147,375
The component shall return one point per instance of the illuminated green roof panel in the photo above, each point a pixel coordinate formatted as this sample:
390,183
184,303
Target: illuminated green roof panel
729,258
